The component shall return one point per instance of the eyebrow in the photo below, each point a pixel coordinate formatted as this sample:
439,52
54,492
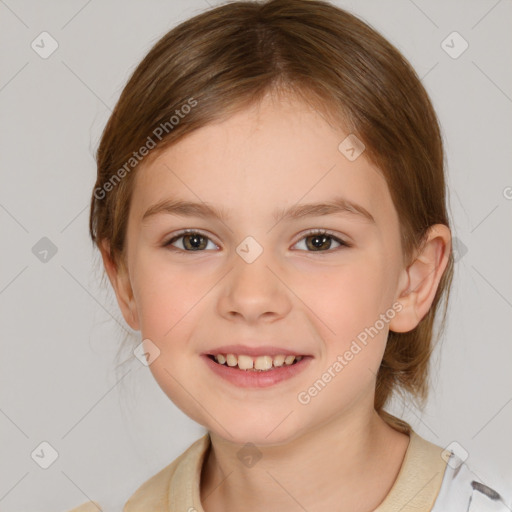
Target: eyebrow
337,205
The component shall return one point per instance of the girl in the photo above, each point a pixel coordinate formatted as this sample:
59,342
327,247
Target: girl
270,210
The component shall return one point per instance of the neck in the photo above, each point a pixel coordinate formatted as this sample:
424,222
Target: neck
345,464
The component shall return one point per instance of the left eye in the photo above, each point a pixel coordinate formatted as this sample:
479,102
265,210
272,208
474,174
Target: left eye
319,240
315,241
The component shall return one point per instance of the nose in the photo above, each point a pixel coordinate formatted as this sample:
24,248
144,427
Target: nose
254,292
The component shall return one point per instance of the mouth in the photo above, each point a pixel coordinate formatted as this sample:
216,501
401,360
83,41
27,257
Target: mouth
255,364
256,372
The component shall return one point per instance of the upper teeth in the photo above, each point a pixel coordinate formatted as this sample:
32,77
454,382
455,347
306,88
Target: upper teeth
258,363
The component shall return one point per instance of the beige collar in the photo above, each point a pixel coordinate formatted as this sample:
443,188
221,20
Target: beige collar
418,482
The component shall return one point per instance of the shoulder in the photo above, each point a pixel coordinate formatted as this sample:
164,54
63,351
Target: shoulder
463,491
153,494
458,487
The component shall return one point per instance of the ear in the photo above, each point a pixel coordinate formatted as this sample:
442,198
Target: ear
120,280
419,281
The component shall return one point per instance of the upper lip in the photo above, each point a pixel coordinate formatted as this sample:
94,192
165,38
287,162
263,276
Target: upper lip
261,350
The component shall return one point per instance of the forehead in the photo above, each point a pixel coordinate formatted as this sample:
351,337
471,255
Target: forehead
269,155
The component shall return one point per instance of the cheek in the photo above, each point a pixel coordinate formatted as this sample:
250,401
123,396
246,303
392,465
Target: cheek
348,309
168,302
346,298
347,302
167,296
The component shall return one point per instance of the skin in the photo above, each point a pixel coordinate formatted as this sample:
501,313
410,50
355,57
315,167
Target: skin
335,453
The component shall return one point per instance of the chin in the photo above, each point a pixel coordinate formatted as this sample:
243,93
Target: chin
257,433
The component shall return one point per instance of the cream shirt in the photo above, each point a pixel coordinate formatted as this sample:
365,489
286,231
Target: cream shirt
426,470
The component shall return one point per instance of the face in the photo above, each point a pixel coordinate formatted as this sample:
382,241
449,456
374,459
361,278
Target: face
259,278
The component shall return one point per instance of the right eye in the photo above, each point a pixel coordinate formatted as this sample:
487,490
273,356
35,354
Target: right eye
191,241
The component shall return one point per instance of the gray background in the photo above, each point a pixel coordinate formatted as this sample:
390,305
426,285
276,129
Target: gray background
60,330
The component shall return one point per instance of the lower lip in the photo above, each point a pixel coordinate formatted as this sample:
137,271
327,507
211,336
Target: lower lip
250,379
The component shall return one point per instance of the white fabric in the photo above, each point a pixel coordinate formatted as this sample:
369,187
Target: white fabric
461,491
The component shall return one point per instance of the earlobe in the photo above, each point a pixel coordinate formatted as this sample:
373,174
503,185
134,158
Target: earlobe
120,281
420,280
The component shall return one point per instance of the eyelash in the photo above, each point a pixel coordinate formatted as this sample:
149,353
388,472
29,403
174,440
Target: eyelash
313,232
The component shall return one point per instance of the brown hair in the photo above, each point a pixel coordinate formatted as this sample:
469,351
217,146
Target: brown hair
229,57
